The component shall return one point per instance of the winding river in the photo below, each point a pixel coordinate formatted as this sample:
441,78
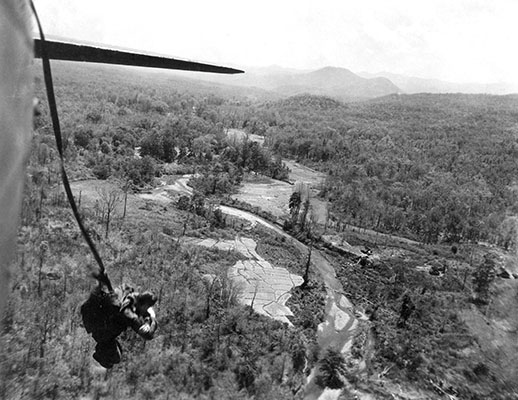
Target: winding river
338,327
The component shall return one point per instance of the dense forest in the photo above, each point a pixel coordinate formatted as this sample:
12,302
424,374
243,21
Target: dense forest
430,167
435,168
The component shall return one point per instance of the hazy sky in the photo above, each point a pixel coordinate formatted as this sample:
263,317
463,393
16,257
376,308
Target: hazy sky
456,40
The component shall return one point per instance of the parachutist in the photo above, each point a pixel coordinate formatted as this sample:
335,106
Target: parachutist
107,314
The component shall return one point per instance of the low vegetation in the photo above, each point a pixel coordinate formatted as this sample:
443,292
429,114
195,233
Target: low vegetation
418,326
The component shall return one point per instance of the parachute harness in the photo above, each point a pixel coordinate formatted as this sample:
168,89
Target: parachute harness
101,275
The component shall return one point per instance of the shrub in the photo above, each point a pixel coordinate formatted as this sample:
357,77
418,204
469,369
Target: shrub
332,368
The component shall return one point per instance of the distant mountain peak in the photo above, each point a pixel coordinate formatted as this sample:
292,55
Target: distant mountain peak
331,68
336,82
335,71
339,83
412,84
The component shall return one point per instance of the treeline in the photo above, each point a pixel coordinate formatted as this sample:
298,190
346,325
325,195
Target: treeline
115,128
431,167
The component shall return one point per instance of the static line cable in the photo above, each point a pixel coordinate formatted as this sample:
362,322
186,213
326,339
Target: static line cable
101,276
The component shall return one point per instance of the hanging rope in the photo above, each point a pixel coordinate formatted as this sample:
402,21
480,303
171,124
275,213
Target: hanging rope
101,275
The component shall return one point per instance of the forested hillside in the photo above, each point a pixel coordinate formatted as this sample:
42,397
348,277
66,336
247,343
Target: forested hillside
107,115
430,167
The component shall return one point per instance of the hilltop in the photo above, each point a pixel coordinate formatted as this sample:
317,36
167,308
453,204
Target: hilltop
334,82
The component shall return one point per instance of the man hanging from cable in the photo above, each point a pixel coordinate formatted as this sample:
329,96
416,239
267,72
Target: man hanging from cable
107,313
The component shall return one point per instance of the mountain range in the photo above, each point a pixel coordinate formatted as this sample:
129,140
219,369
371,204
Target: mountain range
339,83
411,85
343,84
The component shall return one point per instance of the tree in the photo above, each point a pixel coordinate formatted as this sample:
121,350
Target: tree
126,185
294,205
483,276
139,171
508,233
109,200
183,203
305,277
197,205
152,145
304,214
83,136
217,219
407,308
298,354
245,375
279,170
43,250
101,166
332,368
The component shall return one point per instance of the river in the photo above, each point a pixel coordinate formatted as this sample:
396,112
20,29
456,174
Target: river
337,330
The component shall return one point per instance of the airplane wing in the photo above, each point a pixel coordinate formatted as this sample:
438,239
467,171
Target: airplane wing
69,51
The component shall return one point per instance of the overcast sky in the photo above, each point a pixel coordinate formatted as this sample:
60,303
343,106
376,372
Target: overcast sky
455,40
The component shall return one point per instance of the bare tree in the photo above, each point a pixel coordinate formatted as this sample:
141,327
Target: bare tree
294,205
253,299
44,247
306,272
304,213
109,201
126,187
